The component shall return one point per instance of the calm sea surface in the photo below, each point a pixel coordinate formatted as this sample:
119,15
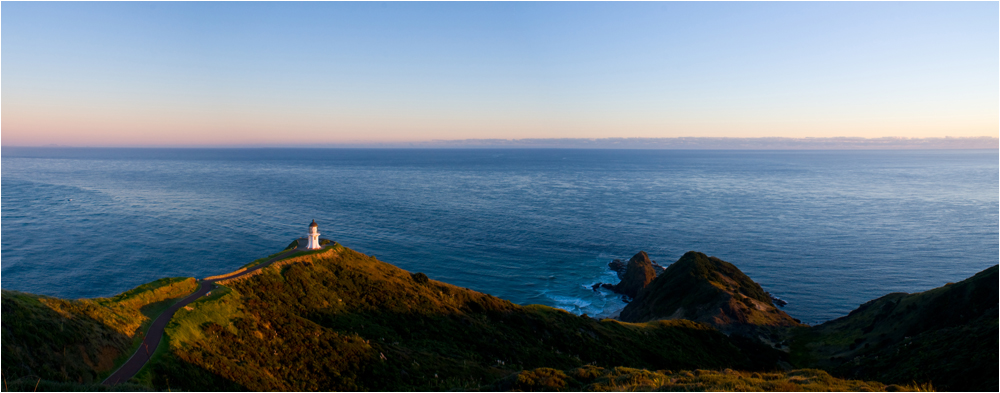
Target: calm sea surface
825,230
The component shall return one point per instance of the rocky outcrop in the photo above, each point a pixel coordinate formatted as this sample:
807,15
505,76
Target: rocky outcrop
707,289
619,267
638,274
634,275
777,300
657,268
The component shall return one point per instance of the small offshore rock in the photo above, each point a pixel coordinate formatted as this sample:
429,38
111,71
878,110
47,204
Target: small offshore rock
657,268
634,275
637,276
777,300
619,267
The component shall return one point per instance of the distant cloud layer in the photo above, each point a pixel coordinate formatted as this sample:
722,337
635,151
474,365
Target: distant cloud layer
841,143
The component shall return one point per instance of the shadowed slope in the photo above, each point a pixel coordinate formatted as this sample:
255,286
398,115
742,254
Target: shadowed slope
946,336
79,340
707,289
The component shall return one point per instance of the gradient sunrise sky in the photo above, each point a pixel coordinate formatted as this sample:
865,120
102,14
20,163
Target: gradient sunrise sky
258,74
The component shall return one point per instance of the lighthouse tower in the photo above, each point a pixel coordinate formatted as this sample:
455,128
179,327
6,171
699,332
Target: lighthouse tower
313,236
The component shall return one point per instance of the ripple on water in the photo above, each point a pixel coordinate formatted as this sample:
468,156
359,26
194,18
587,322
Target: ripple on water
825,231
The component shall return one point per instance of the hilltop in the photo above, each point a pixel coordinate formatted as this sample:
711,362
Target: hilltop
341,320
707,289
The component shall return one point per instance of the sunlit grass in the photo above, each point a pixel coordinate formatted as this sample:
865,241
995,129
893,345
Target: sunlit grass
220,306
58,341
624,379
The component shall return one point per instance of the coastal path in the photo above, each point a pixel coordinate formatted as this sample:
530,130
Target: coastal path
155,331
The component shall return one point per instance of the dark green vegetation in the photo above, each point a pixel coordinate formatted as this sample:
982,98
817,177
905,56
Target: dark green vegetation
619,379
335,319
62,342
27,384
947,336
340,320
707,289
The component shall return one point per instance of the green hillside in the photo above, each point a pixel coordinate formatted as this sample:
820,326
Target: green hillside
79,341
946,336
341,320
335,319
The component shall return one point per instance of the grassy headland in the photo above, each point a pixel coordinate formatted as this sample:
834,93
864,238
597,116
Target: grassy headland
335,319
341,320
79,341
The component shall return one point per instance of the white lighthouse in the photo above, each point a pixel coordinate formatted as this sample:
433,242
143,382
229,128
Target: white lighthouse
313,236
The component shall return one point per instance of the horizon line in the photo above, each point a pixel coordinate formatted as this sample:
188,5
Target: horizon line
669,143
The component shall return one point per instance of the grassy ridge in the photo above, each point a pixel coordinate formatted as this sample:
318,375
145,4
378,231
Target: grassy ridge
624,379
946,336
340,320
145,294
294,244
79,341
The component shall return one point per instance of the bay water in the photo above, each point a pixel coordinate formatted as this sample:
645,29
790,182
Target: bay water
824,230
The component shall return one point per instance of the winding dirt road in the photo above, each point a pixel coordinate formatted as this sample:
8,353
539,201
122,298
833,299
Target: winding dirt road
155,331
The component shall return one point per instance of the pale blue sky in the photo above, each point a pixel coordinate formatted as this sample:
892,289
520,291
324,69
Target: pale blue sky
262,73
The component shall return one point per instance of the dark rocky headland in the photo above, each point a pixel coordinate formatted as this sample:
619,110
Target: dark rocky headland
341,320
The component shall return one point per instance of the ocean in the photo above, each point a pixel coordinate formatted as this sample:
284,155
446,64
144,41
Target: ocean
824,230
